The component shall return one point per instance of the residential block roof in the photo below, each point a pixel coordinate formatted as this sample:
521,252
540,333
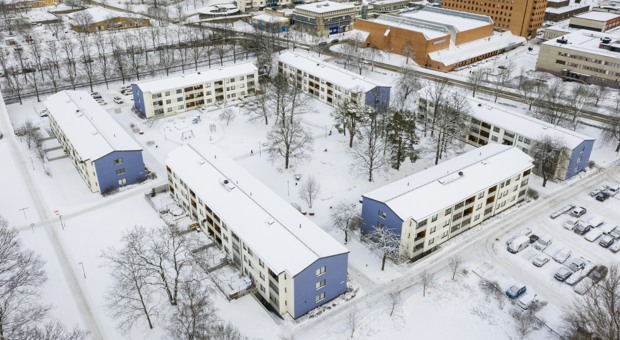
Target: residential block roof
425,193
101,14
277,232
330,72
201,77
522,124
325,6
90,129
459,21
597,16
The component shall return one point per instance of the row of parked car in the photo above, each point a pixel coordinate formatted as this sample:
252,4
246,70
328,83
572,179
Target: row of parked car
594,229
604,192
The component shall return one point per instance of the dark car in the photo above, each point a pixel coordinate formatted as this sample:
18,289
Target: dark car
533,238
335,41
515,291
322,43
582,228
598,273
607,241
602,196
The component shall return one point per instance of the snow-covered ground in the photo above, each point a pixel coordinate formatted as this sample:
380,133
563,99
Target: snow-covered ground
451,309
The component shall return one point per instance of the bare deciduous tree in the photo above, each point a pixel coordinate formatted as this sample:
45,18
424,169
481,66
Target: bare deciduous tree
552,110
454,263
426,279
394,298
611,132
549,155
597,311
385,242
225,331
346,217
475,79
532,90
227,115
350,116
598,92
83,20
492,288
352,320
29,133
310,189
194,314
290,141
525,322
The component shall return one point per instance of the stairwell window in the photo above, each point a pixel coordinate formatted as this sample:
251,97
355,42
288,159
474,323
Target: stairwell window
320,297
118,161
382,214
320,271
120,171
321,284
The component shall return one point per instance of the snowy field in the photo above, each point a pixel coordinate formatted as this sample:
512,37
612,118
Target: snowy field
93,223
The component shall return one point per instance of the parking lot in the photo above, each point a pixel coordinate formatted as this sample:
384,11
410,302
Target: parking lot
585,252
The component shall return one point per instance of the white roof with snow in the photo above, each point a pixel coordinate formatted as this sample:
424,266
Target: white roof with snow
522,124
330,72
270,18
429,30
270,226
202,77
597,16
565,9
102,14
324,7
89,128
422,194
457,53
588,42
460,21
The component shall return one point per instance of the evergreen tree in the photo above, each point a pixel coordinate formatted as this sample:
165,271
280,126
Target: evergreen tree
401,137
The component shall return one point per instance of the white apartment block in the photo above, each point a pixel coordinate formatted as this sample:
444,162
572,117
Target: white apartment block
294,265
430,207
169,96
332,84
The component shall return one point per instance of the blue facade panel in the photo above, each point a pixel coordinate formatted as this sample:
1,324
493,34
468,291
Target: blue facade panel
378,98
131,169
138,99
579,158
305,283
371,216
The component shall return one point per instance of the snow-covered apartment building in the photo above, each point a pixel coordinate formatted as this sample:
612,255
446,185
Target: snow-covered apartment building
164,97
585,56
294,264
332,84
103,153
492,123
430,207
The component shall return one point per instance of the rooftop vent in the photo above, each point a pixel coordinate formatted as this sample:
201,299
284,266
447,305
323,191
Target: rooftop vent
201,161
451,177
270,221
228,184
606,40
562,41
479,104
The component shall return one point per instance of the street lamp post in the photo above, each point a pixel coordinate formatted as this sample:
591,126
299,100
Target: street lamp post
83,271
24,211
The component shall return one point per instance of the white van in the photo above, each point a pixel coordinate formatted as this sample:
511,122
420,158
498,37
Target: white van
526,300
593,234
519,244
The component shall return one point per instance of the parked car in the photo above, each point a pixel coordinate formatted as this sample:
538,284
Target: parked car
526,300
1,135
540,260
581,228
515,291
593,234
596,222
519,244
598,273
615,247
97,97
562,255
563,274
612,190
533,238
543,242
44,113
602,196
569,224
578,211
576,263
95,93
323,43
615,233
596,191
118,100
335,41
606,241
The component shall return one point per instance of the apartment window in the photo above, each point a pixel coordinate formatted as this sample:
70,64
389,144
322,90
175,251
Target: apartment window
120,171
422,223
320,284
262,276
431,241
495,129
167,93
261,264
320,271
262,288
382,214
434,218
122,181
444,234
320,297
179,91
479,206
448,211
433,230
494,138
118,161
480,195
180,99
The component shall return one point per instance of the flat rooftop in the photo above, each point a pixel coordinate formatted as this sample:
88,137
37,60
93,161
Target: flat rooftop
588,42
278,233
496,41
429,30
425,193
460,21
522,124
101,14
90,129
330,72
597,16
565,9
201,77
325,6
